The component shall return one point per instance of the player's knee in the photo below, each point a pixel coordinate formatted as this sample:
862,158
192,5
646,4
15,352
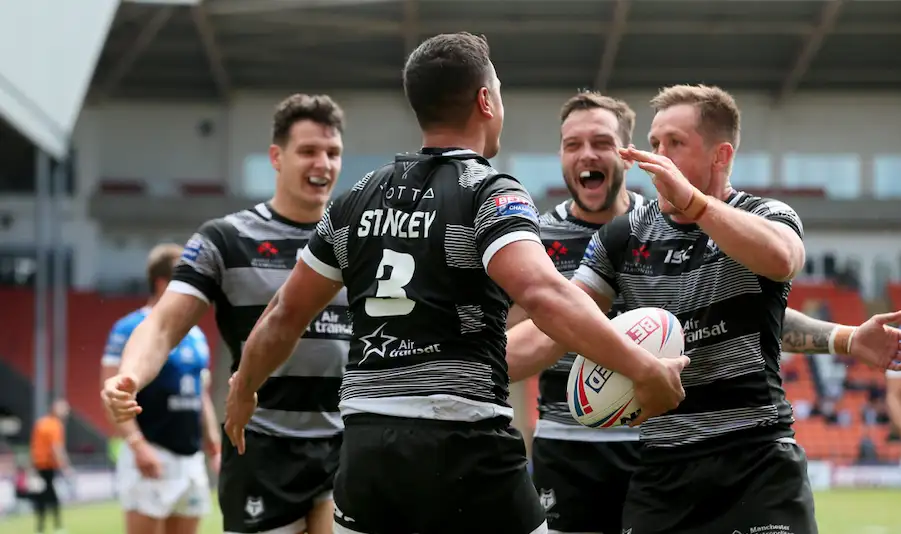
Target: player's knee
181,525
138,523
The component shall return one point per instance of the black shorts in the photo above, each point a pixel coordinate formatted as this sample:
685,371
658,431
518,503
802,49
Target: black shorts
276,481
583,485
405,476
761,489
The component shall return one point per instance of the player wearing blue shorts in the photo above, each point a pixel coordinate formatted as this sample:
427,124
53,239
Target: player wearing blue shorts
161,476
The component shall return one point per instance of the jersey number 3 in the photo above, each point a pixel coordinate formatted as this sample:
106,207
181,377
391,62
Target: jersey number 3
393,273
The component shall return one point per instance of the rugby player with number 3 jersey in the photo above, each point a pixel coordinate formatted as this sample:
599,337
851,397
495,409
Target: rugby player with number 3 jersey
431,248
283,484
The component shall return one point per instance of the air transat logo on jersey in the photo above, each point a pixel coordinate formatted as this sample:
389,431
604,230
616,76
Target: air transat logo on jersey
379,343
376,343
333,323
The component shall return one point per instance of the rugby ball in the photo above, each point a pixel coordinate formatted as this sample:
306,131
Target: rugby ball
600,398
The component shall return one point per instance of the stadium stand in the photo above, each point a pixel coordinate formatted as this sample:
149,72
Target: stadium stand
172,117
91,315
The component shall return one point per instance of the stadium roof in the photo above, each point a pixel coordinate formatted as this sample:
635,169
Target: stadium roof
209,50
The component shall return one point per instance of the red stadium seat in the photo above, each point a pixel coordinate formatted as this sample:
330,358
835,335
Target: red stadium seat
91,316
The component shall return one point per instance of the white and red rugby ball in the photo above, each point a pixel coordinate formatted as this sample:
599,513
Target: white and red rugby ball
600,398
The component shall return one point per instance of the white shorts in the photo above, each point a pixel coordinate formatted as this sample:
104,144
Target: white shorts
183,489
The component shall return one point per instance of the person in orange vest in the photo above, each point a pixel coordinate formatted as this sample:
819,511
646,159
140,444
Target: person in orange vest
48,455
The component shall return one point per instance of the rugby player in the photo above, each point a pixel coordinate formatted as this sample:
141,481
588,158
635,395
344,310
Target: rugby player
283,484
161,477
575,468
429,248
736,254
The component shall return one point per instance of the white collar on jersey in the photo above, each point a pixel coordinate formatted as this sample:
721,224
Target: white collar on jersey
459,152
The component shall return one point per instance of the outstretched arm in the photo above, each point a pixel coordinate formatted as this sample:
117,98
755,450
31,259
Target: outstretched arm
168,322
801,333
874,343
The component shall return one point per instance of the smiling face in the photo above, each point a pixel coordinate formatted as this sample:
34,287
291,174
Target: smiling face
592,168
309,162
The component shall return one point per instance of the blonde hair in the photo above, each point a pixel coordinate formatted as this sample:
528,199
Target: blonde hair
625,116
719,116
161,262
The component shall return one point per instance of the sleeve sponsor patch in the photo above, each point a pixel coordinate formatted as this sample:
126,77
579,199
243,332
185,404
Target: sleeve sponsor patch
515,205
192,249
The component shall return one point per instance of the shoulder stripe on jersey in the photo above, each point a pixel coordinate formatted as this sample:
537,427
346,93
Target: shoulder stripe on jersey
184,288
263,210
505,240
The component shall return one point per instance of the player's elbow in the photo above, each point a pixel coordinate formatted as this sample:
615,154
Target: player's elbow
787,262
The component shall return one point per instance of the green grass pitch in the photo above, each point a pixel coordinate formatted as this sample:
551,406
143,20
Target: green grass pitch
859,511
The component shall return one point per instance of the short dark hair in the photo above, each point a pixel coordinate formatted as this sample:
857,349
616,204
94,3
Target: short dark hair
625,116
161,263
443,75
317,108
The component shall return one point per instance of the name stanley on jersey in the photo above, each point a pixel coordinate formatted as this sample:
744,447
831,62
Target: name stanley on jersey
396,223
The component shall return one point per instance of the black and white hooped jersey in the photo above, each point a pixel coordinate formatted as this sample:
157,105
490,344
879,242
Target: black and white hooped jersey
565,238
237,263
411,242
731,317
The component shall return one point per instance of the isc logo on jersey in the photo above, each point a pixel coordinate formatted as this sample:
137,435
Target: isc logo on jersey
600,398
513,205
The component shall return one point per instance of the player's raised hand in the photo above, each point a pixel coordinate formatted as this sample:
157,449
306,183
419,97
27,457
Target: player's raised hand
239,407
119,397
876,343
661,391
673,188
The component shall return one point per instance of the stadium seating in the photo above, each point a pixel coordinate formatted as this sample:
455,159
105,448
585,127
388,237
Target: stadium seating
90,318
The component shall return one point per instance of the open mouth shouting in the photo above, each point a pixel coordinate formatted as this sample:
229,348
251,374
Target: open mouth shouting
592,179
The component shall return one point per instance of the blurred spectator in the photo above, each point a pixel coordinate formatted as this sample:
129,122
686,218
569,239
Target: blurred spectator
803,409
866,454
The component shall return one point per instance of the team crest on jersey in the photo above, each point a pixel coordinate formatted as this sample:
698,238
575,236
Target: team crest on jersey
515,206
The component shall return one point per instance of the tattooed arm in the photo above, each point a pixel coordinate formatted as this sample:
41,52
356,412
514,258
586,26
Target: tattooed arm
801,333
